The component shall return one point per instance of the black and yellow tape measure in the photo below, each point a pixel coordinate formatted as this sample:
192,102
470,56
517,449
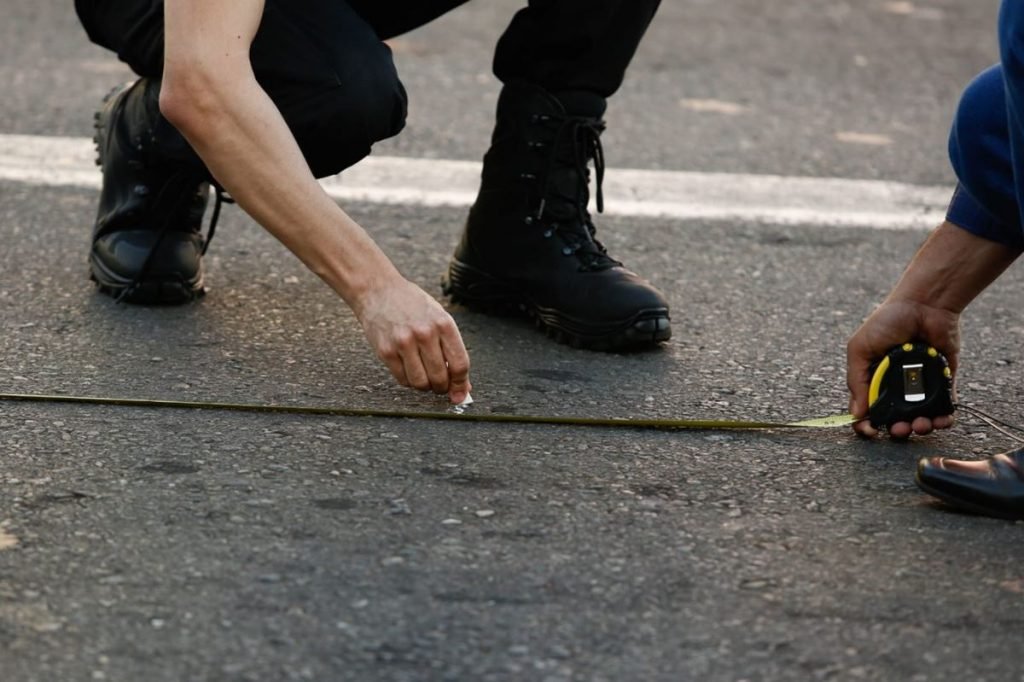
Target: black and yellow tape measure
912,380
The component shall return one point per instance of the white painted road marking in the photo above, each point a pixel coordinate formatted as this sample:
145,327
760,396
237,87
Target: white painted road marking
684,195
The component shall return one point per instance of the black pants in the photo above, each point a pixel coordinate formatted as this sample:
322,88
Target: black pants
323,63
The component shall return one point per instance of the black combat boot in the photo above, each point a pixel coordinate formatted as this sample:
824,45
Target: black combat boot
529,243
147,246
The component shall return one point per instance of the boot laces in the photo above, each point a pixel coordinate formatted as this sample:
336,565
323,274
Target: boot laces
177,184
581,136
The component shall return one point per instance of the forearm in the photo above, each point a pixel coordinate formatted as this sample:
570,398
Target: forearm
211,95
271,181
951,268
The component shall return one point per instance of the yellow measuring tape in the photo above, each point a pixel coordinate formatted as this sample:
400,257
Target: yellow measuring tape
464,416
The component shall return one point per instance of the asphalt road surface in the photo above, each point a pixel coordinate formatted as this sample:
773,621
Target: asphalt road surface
159,545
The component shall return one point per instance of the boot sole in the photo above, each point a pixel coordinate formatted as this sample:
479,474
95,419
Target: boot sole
151,290
475,289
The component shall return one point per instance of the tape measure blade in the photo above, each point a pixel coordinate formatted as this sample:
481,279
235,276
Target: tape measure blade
831,422
696,424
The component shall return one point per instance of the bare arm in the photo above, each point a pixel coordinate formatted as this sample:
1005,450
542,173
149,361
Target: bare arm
947,273
211,95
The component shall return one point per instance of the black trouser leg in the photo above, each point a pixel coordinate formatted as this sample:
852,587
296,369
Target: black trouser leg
331,77
320,61
556,44
573,44
391,18
323,65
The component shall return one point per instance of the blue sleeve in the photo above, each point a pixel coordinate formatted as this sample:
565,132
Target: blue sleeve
967,213
985,202
1011,49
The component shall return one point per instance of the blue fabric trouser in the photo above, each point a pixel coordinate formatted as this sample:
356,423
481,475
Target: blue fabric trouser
986,145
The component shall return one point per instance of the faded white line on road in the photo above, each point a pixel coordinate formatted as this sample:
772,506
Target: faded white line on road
685,195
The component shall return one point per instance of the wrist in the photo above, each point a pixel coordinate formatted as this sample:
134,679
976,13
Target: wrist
361,288
344,256
935,295
356,283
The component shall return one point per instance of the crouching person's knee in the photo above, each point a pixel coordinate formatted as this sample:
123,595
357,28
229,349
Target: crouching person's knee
338,125
979,144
